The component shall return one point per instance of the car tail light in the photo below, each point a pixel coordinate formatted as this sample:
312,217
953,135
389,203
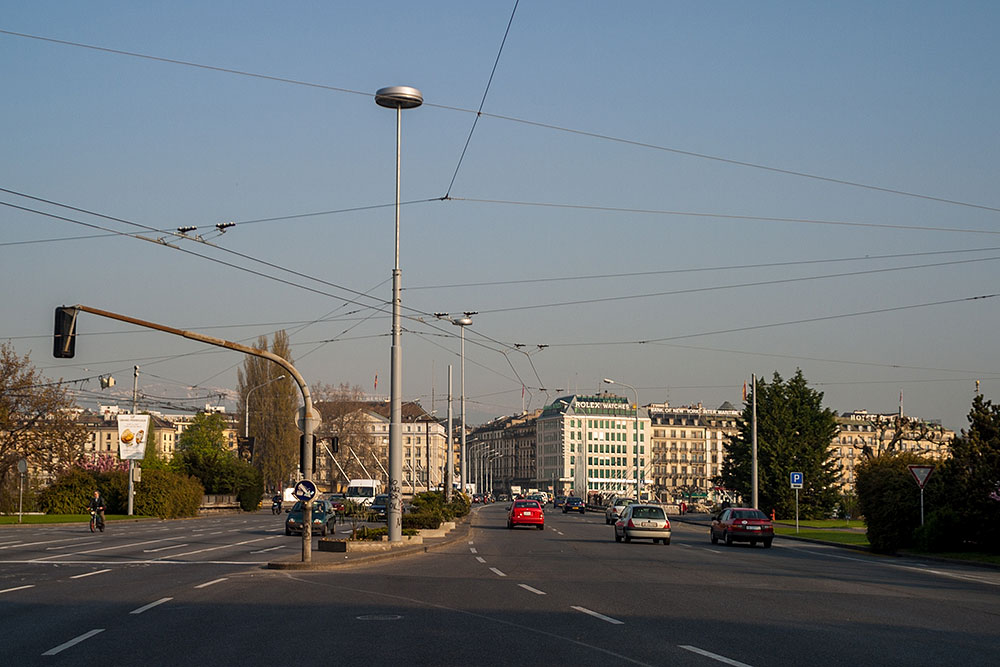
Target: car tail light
667,522
630,524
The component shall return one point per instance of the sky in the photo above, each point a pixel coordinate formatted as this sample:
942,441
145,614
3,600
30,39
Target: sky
676,196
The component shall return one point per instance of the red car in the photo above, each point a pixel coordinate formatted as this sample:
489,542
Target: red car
742,524
526,513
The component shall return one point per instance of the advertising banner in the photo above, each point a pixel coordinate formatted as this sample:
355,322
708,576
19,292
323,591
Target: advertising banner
132,430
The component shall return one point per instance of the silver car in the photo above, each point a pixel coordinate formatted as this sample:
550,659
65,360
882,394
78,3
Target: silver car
643,522
614,510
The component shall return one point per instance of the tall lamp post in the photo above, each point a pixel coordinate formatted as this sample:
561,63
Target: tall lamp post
610,381
398,98
246,415
462,322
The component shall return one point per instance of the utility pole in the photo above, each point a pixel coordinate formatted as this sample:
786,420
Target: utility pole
450,462
754,438
131,463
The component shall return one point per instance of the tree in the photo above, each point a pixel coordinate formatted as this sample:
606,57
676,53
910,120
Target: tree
273,406
36,424
889,499
344,415
890,433
964,501
794,433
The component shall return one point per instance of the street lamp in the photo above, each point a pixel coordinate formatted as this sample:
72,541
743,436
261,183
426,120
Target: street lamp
246,428
398,98
462,322
610,381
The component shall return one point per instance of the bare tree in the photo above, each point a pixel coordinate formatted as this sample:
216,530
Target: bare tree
36,423
347,415
272,409
891,433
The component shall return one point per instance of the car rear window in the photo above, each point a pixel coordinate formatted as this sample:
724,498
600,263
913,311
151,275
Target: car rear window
574,499
647,513
533,504
748,514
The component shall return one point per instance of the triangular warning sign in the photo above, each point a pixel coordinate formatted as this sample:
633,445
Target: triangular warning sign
921,473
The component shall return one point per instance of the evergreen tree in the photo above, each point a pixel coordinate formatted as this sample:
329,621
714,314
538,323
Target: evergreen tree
964,493
794,434
273,405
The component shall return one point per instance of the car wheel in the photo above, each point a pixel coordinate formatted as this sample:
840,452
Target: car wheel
666,541
729,540
753,543
541,526
767,544
715,538
287,532
627,538
618,538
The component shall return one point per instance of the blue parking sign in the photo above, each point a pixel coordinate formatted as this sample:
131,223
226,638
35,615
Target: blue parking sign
797,479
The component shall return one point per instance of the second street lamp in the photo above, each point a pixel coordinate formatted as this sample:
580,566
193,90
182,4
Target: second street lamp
638,498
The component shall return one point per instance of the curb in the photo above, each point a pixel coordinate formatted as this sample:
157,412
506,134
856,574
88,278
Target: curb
460,532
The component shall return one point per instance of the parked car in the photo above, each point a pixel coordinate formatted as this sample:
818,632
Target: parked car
614,510
640,521
574,504
526,513
742,524
336,501
324,519
380,507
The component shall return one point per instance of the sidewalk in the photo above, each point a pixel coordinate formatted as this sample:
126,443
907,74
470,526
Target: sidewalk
331,560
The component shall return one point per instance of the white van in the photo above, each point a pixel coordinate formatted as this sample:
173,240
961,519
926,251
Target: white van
363,491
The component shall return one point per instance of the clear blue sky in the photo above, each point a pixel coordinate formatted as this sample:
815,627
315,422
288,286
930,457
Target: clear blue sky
641,172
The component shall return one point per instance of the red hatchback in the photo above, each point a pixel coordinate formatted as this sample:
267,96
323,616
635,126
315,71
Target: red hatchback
742,524
526,513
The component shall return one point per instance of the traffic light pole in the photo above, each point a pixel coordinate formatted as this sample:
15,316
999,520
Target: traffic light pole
311,415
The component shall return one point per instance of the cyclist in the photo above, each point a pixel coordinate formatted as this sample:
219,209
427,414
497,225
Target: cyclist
97,506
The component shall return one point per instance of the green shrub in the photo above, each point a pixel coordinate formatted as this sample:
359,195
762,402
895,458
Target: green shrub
69,494
889,499
424,519
168,495
114,488
250,488
941,532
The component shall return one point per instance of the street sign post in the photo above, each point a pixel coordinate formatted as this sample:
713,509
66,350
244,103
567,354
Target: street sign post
305,490
796,479
921,473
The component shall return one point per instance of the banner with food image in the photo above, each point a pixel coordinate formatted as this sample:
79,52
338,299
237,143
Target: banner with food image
132,430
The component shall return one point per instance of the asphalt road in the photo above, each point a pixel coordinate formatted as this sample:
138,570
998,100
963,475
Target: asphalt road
195,592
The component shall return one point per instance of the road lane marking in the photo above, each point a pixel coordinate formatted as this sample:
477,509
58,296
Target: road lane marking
150,605
92,551
480,559
497,572
172,546
222,546
210,583
68,546
714,656
532,589
899,566
73,642
90,574
260,551
608,619
17,588
473,550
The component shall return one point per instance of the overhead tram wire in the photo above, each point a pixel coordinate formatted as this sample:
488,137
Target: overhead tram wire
702,269
727,216
822,318
482,102
513,119
759,283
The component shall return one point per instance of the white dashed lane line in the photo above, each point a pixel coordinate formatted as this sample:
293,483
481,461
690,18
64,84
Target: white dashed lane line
73,642
715,656
606,619
532,589
90,574
150,606
480,559
497,572
209,583
17,588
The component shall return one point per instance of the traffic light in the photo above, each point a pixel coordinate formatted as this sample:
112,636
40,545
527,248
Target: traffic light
334,444
64,342
302,451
